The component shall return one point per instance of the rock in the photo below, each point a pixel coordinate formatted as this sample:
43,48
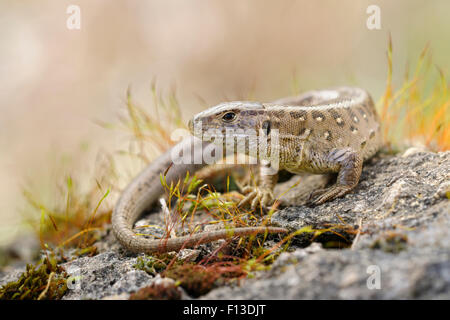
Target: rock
403,238
106,274
413,150
160,289
22,250
443,191
122,296
10,274
346,274
394,192
387,239
188,254
296,191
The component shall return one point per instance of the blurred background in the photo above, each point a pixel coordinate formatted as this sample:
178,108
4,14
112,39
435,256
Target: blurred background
56,83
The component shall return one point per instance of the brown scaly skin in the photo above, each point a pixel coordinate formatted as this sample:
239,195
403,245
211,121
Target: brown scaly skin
322,131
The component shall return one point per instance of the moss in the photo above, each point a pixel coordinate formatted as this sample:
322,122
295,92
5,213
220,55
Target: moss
45,280
391,242
88,251
152,265
336,245
157,292
197,280
268,259
75,215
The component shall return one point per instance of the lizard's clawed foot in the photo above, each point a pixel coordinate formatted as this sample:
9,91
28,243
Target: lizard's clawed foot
323,195
256,196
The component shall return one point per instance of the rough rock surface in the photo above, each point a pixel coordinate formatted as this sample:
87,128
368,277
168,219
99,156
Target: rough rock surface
388,239
106,274
402,206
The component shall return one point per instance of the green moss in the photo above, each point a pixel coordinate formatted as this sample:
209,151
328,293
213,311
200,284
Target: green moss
88,251
45,280
268,259
392,242
336,245
152,265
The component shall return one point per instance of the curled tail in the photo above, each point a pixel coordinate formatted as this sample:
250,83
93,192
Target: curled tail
146,188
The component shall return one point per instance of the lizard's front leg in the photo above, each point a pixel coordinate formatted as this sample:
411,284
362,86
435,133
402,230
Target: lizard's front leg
349,164
263,193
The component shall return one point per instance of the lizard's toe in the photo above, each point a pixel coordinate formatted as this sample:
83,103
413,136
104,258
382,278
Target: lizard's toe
313,196
255,202
266,199
263,197
249,197
323,195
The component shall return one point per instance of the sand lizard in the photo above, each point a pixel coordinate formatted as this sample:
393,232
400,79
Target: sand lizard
324,131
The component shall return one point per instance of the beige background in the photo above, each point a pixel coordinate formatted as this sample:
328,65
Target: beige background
55,82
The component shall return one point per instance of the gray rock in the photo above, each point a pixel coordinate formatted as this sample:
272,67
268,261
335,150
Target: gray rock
346,274
10,275
394,192
22,250
404,238
392,231
106,274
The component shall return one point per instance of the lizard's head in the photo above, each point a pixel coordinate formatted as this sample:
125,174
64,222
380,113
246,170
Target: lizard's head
238,118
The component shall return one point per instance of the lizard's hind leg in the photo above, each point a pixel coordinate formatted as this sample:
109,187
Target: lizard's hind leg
349,164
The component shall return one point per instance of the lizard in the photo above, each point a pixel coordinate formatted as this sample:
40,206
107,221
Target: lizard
321,131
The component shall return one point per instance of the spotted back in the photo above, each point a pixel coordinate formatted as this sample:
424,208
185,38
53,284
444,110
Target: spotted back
327,119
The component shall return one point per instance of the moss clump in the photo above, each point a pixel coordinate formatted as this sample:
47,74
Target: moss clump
198,280
45,280
195,279
158,291
392,242
76,217
151,265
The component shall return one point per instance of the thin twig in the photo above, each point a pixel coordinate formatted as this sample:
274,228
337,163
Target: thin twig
43,293
168,218
357,234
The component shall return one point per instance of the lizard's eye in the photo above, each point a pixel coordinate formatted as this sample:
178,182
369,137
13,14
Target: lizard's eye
229,116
